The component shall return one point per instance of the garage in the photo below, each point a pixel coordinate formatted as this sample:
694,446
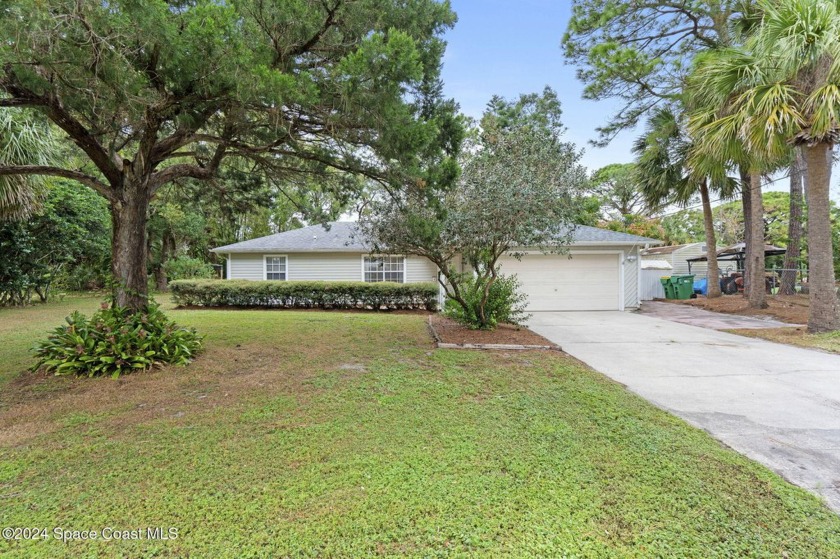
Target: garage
582,282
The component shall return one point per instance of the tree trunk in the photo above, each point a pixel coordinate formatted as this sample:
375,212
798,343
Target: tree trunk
712,273
794,246
755,251
825,310
746,201
167,249
129,216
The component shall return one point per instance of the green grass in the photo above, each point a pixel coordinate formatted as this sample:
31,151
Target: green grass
827,341
307,434
20,328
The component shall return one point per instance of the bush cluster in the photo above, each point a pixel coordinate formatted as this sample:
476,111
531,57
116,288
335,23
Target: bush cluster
306,294
115,341
505,303
187,267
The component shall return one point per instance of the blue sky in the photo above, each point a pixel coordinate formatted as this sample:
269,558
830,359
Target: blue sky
511,47
508,47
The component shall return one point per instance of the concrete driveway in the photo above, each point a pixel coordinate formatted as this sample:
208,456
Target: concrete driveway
777,404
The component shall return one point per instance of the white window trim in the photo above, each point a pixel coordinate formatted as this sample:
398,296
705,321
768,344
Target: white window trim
405,264
265,265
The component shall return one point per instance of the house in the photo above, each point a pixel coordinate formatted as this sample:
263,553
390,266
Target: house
677,256
600,272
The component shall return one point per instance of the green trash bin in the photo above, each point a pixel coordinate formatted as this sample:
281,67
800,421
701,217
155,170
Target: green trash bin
668,287
683,286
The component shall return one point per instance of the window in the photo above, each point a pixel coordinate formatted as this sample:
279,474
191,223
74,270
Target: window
384,268
275,267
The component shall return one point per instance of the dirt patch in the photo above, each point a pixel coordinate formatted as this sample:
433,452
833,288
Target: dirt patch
222,377
792,309
450,332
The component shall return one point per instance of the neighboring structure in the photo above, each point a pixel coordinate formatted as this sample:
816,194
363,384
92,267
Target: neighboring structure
732,258
650,286
600,272
677,256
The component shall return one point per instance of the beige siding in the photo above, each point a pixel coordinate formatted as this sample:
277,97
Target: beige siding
326,266
690,251
336,266
631,279
678,258
246,266
418,269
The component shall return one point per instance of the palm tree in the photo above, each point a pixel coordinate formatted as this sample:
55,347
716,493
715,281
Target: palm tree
782,88
787,285
23,141
672,171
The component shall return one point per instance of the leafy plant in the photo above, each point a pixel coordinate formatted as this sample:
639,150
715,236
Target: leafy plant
504,303
116,341
306,294
186,267
521,185
65,244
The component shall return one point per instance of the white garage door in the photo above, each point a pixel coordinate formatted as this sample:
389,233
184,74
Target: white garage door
584,282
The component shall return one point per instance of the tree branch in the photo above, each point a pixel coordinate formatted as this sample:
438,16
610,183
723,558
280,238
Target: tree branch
78,176
58,114
19,103
328,22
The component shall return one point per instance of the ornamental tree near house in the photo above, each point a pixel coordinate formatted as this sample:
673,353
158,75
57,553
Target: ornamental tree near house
518,188
154,93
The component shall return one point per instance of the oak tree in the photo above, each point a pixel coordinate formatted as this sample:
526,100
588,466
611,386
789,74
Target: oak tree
155,93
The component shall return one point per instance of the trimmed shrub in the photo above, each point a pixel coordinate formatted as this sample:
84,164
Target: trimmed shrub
306,294
116,341
505,304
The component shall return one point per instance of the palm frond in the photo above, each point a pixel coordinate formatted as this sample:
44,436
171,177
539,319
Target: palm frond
24,140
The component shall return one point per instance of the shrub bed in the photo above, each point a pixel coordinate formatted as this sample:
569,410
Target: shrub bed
306,294
115,341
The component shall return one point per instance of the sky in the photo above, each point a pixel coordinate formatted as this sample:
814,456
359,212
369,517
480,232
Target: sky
508,47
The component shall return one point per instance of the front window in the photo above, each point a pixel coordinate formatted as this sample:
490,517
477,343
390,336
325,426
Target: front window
275,267
384,268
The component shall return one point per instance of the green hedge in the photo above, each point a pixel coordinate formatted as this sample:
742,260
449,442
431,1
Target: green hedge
305,294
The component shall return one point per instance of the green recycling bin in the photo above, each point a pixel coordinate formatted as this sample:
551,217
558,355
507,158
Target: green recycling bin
683,286
668,287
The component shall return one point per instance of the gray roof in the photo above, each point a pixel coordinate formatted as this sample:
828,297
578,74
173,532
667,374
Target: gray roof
344,236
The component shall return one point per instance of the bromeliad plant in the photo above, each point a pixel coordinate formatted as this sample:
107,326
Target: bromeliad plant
116,341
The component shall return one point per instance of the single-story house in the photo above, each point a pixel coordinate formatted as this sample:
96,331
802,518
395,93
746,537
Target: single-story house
600,272
677,256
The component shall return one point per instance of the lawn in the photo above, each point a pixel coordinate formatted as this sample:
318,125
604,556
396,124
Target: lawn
828,341
310,434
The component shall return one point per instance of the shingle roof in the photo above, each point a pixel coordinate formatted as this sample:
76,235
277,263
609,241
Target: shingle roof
663,250
344,236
